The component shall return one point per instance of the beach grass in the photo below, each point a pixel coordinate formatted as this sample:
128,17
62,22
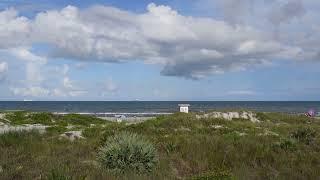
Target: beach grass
280,146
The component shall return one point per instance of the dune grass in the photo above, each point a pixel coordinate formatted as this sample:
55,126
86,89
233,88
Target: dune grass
281,146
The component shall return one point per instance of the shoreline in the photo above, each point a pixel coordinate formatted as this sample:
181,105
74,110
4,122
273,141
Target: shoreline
107,114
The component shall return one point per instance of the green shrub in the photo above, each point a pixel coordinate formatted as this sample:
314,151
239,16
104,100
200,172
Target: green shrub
92,132
128,152
110,130
261,116
56,129
170,147
84,120
282,117
41,118
17,117
23,117
286,144
305,135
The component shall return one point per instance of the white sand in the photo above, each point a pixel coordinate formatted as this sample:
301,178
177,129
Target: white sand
26,127
127,119
72,135
230,115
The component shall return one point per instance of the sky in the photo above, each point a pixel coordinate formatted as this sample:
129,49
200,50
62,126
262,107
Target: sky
118,50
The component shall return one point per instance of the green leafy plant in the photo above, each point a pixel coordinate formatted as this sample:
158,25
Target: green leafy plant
128,152
305,135
170,147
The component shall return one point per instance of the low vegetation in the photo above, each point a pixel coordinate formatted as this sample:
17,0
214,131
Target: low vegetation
280,146
128,152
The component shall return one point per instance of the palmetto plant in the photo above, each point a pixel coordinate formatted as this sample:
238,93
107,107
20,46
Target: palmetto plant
128,152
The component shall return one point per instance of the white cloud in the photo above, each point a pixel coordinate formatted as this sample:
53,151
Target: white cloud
242,92
235,11
24,53
3,70
62,92
160,93
33,73
69,88
77,93
30,91
3,67
109,87
66,90
186,46
33,64
37,78
67,83
14,30
58,93
81,65
283,13
65,69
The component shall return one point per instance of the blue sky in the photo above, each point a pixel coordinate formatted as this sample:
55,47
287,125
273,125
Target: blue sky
159,50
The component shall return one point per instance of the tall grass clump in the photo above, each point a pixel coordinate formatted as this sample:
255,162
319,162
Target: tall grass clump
127,151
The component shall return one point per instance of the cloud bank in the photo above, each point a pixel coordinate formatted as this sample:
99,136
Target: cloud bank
186,46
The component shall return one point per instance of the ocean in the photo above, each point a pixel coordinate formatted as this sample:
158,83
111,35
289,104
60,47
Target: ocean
156,107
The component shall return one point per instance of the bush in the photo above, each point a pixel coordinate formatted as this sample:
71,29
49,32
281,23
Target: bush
305,135
17,117
84,120
286,144
41,118
128,152
92,132
170,147
262,116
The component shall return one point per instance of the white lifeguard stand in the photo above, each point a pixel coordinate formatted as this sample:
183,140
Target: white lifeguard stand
184,108
120,118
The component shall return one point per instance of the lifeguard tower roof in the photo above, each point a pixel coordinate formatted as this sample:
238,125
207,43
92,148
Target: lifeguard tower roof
184,108
184,105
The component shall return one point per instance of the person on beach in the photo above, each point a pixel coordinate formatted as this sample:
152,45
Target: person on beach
311,113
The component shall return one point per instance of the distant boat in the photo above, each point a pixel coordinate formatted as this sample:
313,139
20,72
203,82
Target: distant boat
27,100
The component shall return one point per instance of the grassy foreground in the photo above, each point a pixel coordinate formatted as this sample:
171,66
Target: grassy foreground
281,146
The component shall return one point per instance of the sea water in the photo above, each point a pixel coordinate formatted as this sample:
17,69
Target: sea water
156,107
